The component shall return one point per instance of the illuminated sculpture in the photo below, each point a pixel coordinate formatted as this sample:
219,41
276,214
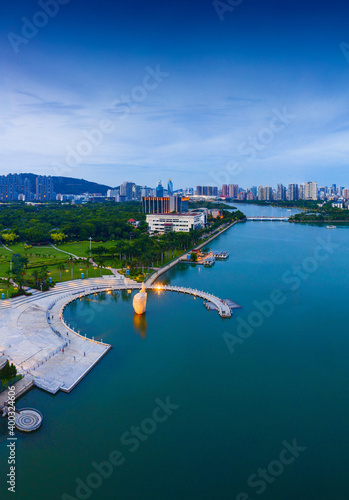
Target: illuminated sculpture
140,301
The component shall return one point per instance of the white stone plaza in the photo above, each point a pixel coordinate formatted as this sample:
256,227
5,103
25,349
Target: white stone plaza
46,351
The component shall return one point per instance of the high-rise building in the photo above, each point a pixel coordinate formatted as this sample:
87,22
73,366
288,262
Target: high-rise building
233,190
225,190
44,189
302,191
170,187
14,185
159,190
281,192
310,191
268,193
126,191
345,193
165,205
261,193
112,193
293,192
206,191
145,191
265,193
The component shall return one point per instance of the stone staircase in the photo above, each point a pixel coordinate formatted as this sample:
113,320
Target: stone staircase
63,288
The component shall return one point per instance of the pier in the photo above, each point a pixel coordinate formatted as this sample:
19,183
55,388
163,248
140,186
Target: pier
222,307
168,266
46,350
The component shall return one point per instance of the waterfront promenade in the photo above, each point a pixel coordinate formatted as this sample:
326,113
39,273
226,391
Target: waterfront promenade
151,280
46,351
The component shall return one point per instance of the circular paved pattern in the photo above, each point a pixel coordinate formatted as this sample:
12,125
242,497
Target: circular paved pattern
28,420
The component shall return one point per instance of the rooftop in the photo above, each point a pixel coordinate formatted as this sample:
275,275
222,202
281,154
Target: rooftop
184,214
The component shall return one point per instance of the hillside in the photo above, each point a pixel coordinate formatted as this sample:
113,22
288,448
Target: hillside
70,185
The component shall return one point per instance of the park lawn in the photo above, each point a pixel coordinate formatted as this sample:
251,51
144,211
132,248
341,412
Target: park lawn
42,251
4,252
35,250
114,263
4,267
3,289
93,272
15,247
80,248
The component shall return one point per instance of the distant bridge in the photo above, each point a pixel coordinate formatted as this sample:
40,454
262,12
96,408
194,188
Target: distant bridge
264,218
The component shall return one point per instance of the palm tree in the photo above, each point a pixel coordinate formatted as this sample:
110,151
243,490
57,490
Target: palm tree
35,276
99,263
87,265
71,261
60,267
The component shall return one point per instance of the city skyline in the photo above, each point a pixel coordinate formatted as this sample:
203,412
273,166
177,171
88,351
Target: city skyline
234,98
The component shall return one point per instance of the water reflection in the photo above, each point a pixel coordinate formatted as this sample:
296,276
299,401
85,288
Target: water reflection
140,324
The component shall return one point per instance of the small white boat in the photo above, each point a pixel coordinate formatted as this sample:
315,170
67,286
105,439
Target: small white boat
331,227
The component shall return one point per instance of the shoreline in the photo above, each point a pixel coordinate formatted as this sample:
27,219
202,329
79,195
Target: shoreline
153,277
319,221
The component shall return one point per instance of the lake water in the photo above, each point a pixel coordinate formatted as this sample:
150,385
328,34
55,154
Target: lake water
244,390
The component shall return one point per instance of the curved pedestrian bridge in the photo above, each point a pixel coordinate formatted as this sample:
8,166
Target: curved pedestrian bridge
45,350
222,307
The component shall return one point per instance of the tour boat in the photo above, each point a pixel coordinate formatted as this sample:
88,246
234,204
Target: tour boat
331,227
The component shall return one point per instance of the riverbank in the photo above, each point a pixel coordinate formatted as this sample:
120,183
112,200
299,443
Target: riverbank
151,280
333,221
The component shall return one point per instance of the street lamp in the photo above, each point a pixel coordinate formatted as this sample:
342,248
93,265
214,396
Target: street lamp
90,238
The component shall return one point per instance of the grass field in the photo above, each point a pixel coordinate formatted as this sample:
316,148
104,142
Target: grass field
80,248
40,256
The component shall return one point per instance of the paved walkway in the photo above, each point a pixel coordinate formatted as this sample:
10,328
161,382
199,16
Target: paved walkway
50,354
222,307
67,253
6,248
151,280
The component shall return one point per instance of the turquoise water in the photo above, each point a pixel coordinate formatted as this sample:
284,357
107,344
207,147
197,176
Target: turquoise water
239,399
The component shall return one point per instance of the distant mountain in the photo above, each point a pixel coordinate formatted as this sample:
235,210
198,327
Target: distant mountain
70,185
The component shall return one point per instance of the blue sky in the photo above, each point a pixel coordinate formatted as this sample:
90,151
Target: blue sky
212,113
